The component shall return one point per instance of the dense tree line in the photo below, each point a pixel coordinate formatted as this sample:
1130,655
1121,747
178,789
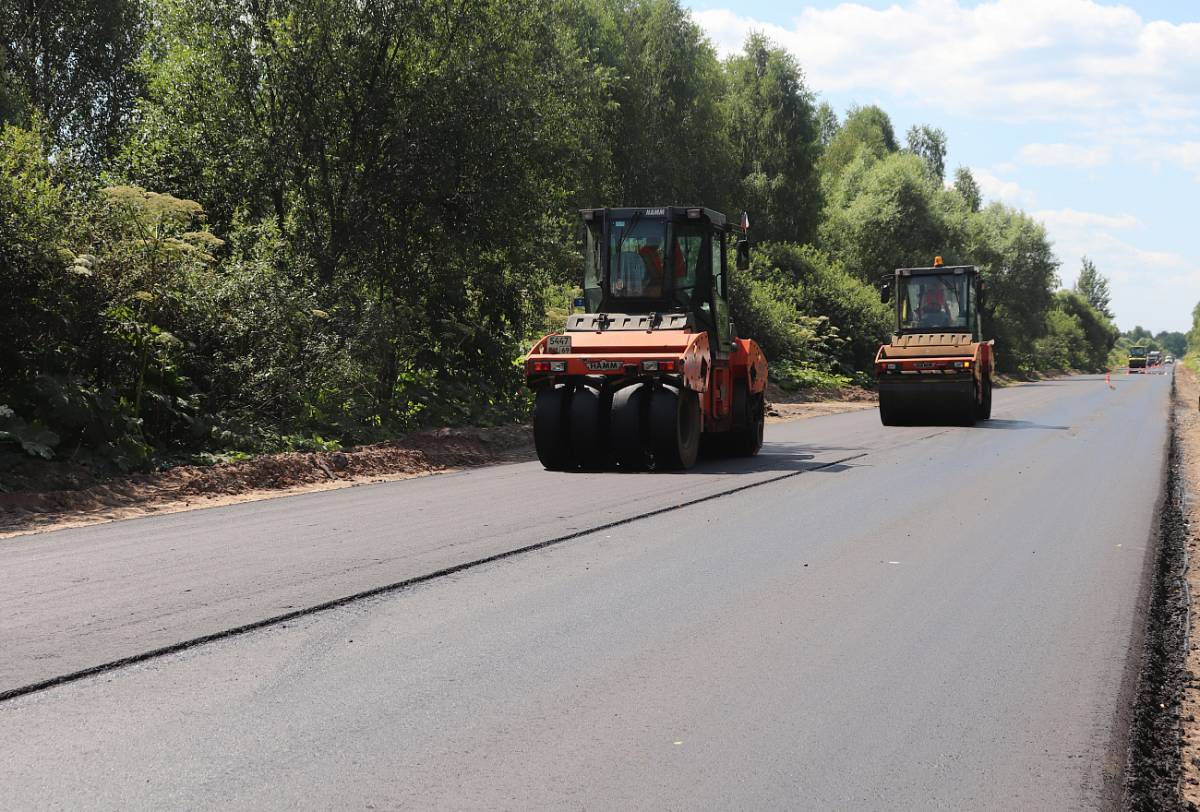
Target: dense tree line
256,224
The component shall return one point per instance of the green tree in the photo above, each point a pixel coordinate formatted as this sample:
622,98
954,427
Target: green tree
662,118
827,124
1093,287
72,61
422,164
929,144
773,132
1100,335
866,129
1020,272
852,320
887,213
966,185
1172,342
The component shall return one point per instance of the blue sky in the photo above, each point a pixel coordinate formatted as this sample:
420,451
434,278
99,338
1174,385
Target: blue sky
1085,114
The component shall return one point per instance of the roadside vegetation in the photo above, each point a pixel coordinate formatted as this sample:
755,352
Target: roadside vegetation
233,227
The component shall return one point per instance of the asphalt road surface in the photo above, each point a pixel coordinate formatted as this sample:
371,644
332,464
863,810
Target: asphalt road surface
860,618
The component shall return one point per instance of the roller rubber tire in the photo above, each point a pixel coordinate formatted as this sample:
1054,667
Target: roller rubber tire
627,428
748,439
968,406
550,422
587,427
985,408
674,427
890,411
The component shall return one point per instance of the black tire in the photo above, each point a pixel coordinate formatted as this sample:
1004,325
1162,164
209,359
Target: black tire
890,411
550,422
587,428
968,405
674,427
750,419
985,407
627,428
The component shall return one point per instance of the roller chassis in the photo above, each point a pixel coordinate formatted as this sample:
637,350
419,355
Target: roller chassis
653,369
602,408
946,379
936,367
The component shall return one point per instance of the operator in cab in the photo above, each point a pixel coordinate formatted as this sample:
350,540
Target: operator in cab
932,312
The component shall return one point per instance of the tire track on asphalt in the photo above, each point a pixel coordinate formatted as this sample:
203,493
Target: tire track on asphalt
386,589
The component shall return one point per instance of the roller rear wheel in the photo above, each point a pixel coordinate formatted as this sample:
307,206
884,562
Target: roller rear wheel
747,437
627,428
892,411
674,420
550,422
587,427
985,406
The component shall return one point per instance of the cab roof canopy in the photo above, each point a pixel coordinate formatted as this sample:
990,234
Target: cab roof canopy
668,212
937,269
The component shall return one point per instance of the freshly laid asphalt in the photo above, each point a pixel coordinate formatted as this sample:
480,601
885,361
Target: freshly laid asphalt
887,618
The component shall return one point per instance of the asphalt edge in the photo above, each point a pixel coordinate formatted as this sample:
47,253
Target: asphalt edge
1153,770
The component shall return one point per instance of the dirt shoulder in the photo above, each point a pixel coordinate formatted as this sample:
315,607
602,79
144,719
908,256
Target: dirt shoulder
190,487
61,497
784,406
1187,433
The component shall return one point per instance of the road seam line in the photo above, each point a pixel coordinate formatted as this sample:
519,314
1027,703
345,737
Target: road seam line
398,586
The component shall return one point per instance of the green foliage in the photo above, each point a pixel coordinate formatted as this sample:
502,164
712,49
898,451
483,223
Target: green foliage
774,135
1173,342
1077,336
1093,287
1019,272
852,321
929,144
866,131
229,227
968,188
887,212
653,89
71,63
34,439
791,376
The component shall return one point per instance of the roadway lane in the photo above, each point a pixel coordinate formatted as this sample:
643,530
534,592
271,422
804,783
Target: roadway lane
946,621
74,599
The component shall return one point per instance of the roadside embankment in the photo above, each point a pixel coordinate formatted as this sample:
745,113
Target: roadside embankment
1187,438
189,487
1163,765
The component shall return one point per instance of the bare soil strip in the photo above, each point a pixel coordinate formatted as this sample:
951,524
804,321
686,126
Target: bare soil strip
1153,775
193,487
1187,434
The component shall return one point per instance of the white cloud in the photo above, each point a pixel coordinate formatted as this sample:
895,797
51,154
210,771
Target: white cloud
1068,155
1185,154
1069,53
996,188
1146,283
1098,66
1069,218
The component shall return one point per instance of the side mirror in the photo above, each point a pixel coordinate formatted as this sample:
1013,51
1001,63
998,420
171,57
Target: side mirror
743,255
885,294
